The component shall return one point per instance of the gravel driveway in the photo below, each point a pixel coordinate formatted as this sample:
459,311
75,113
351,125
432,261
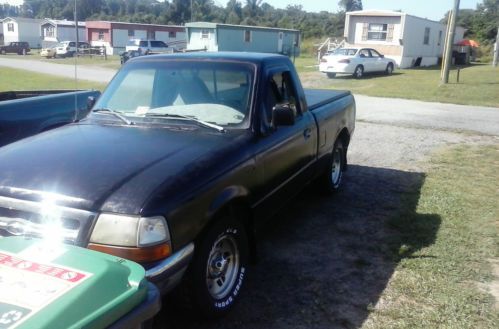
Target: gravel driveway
322,260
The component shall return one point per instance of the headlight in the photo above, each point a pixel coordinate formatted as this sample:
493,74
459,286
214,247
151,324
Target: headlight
142,239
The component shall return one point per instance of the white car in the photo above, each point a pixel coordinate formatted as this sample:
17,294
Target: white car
355,61
68,48
145,47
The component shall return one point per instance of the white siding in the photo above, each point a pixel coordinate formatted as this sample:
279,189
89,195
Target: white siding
196,42
10,36
356,29
30,32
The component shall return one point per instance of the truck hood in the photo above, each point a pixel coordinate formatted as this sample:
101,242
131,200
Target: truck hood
107,168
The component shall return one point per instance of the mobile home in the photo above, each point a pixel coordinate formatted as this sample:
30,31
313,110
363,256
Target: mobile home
22,29
228,37
54,31
409,40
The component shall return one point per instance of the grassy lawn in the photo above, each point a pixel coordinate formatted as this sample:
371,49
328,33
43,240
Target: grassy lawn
479,84
13,79
112,62
448,245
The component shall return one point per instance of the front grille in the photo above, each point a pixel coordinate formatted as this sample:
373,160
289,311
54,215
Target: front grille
28,218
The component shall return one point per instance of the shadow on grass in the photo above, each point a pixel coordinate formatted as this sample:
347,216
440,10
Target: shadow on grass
325,261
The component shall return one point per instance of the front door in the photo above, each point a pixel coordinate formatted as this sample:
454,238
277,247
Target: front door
279,42
286,152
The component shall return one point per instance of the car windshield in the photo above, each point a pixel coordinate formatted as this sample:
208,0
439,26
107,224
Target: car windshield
211,91
345,51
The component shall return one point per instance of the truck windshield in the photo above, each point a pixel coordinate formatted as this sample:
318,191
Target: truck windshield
212,91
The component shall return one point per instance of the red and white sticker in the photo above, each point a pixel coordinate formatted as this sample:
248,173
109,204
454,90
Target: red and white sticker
27,287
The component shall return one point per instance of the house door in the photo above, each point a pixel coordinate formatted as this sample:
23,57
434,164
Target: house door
279,42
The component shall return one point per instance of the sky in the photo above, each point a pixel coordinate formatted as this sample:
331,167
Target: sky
431,9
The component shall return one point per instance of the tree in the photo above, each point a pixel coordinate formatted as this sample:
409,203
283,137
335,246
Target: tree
350,5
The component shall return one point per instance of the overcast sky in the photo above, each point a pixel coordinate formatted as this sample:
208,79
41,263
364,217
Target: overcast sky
432,9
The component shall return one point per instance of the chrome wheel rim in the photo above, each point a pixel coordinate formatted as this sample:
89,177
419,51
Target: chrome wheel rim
336,166
222,267
359,72
390,69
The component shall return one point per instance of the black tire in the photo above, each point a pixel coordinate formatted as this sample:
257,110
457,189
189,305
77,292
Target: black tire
358,72
218,269
331,75
389,69
331,179
2,51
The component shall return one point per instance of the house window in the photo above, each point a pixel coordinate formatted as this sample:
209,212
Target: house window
101,35
205,34
439,38
131,33
50,32
426,36
172,34
151,35
377,32
10,27
247,36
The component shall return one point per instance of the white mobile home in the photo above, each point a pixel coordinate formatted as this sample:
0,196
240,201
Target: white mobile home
54,31
409,40
227,37
1,32
22,29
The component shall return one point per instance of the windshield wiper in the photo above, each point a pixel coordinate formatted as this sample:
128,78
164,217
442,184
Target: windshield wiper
116,114
190,118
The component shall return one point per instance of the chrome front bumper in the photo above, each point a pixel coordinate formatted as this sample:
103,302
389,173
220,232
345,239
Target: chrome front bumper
168,273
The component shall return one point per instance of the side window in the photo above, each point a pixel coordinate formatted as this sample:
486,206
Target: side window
280,91
364,53
374,53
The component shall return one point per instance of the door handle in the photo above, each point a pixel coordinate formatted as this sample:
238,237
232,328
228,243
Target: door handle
307,133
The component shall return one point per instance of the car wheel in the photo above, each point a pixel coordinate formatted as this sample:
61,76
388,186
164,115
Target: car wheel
23,52
218,269
359,72
331,75
2,52
389,69
332,176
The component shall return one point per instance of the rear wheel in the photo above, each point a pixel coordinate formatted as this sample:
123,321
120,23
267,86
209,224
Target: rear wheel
359,72
332,176
218,269
389,69
331,75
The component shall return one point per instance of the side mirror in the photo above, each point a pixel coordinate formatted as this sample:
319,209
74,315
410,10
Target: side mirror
283,115
382,56
91,102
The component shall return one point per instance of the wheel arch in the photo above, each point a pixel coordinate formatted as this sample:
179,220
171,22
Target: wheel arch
344,136
233,201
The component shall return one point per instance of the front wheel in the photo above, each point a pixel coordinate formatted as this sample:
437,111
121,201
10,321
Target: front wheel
218,269
332,176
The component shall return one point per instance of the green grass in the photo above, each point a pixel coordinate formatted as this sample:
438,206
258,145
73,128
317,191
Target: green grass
112,62
479,84
13,79
445,246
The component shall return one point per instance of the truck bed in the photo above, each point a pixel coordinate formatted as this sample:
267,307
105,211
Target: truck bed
318,97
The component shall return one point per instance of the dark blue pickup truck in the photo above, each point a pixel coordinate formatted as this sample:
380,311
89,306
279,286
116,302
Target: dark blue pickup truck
26,113
181,162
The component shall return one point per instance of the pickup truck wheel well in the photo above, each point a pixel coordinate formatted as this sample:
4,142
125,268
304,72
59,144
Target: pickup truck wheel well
344,136
240,210
57,125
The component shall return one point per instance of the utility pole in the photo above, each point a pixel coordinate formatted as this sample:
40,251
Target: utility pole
449,42
496,49
76,28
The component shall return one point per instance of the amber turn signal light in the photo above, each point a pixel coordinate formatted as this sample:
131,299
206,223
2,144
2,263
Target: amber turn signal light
140,255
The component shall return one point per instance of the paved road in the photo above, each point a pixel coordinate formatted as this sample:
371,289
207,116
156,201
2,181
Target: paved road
401,112
91,73
410,113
